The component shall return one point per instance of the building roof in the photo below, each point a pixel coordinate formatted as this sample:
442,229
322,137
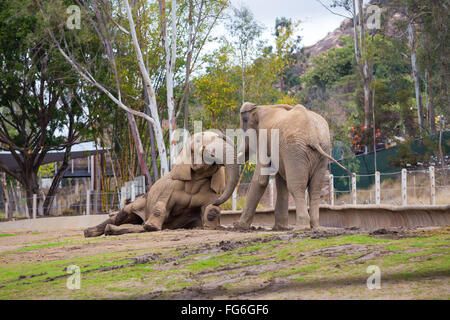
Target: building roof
79,150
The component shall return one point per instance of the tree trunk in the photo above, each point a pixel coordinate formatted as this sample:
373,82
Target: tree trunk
55,183
152,141
31,187
171,54
150,92
415,74
139,149
365,70
188,66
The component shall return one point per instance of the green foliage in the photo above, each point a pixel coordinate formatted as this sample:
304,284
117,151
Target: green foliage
47,170
331,66
412,151
218,90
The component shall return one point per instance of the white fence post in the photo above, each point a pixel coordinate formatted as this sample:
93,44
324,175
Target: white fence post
54,204
88,202
432,187
133,191
404,187
353,188
377,188
6,209
91,159
234,200
123,196
34,205
331,182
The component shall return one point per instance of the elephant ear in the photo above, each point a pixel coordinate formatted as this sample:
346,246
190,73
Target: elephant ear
182,167
218,180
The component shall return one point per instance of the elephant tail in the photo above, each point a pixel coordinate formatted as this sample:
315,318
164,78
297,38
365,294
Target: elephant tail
323,153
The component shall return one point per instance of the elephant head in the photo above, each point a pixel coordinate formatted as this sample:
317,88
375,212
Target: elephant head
208,154
249,120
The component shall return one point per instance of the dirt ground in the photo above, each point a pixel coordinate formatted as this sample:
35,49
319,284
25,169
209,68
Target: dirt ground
228,264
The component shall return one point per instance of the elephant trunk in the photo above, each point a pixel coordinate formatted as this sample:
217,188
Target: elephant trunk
232,176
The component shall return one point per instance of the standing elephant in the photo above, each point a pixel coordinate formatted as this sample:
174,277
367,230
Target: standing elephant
304,148
182,198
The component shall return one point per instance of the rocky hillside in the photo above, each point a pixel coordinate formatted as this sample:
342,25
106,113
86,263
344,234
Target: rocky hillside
331,40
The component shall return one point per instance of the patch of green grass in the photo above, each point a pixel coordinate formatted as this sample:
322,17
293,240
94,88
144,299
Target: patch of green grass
395,247
6,235
41,246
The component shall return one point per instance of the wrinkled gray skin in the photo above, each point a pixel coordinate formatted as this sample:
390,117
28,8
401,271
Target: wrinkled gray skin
182,198
304,148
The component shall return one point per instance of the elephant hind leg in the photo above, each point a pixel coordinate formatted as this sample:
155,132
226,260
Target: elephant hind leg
281,205
122,217
111,229
302,219
315,188
157,217
98,230
297,189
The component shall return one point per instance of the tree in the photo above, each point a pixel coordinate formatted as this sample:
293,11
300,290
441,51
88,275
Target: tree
245,30
331,66
218,89
355,9
425,26
202,16
87,76
39,101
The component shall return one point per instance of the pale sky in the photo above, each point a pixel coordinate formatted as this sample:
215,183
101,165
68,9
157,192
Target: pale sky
316,20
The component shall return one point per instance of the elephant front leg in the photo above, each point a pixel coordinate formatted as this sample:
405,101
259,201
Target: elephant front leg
254,194
210,216
158,215
281,205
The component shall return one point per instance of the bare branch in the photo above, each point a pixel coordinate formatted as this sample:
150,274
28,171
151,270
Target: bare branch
335,13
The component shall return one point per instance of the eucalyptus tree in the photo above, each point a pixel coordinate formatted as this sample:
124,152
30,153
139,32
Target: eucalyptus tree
136,28
245,30
355,10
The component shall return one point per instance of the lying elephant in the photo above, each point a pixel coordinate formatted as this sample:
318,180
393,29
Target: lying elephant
182,198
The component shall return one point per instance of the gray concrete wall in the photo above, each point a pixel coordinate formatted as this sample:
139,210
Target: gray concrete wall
53,223
365,217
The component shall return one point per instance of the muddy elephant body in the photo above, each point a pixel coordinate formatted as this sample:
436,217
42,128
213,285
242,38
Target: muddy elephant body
181,199
304,148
